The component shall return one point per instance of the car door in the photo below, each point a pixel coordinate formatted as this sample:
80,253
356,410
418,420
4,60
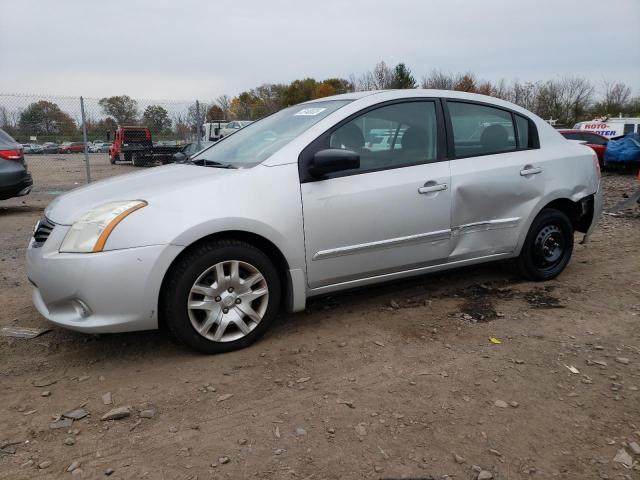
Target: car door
390,214
497,177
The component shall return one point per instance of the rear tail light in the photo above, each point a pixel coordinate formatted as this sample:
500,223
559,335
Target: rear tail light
11,154
147,134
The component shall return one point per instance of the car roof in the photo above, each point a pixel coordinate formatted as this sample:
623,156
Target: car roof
422,93
346,96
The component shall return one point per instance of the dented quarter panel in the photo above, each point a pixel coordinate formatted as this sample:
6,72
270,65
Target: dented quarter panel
493,205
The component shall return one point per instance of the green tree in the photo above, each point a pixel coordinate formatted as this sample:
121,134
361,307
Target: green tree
46,118
121,107
156,118
402,77
246,106
299,91
215,113
323,90
270,99
339,85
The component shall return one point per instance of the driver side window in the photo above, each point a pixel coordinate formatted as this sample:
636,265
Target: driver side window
392,136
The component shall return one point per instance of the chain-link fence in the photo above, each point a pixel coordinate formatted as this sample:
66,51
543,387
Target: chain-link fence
70,141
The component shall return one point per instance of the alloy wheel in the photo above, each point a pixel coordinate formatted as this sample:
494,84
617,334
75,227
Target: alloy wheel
228,300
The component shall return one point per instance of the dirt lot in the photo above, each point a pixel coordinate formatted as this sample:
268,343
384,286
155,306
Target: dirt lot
390,382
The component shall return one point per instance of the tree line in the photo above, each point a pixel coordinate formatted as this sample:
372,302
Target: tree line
565,100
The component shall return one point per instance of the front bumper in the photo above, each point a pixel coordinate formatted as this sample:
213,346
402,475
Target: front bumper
106,292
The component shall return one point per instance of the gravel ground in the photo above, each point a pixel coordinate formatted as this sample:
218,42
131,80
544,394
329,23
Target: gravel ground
396,381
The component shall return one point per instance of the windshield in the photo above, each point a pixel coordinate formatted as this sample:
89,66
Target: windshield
259,140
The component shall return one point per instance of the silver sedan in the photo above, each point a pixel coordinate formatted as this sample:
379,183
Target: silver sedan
336,193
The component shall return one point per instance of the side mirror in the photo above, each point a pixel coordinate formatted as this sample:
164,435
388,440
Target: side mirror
179,157
333,160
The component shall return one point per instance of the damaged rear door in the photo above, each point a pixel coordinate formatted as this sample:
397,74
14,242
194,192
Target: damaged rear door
497,177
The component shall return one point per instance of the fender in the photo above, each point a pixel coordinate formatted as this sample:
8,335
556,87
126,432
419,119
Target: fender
543,202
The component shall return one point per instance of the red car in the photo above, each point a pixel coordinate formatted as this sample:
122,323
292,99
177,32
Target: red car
597,142
71,147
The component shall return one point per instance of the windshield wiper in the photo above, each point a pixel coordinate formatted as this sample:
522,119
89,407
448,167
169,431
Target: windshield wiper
212,163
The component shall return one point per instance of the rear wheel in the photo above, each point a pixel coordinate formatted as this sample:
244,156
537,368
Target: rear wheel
138,160
221,296
548,246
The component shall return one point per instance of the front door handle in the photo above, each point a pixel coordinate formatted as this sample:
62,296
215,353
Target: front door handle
529,170
438,187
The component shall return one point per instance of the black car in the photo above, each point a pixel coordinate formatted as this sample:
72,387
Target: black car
50,147
15,179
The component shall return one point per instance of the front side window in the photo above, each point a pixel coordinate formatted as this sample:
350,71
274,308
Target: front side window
256,142
392,136
480,130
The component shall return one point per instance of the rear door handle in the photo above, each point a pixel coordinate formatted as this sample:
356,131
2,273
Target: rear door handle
432,188
530,171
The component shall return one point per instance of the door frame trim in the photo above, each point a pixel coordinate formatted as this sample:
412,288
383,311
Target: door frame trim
382,244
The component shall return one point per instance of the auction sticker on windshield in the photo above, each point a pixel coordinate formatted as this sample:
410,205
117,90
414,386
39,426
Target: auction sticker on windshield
310,111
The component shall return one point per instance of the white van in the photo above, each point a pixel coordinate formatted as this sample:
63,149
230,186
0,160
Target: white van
611,127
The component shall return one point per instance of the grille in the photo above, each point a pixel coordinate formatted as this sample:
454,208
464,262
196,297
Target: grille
42,231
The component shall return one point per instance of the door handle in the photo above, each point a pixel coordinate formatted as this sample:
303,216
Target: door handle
528,170
432,188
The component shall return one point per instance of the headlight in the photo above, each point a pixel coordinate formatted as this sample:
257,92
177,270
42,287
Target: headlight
90,233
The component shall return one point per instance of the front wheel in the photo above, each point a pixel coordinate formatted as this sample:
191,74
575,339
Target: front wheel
548,246
221,296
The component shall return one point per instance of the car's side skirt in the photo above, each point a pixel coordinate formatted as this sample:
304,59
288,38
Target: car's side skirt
404,274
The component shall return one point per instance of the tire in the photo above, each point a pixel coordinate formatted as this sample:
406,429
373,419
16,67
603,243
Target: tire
138,160
548,246
214,323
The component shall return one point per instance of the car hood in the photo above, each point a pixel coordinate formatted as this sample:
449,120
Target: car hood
144,185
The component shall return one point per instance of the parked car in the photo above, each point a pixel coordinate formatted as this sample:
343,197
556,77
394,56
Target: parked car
31,148
105,147
71,147
96,146
596,142
233,127
15,179
189,149
296,206
50,147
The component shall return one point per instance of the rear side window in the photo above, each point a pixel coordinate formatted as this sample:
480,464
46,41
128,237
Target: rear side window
572,136
525,132
594,139
480,129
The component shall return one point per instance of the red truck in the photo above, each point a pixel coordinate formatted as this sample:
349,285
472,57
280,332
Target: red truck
134,144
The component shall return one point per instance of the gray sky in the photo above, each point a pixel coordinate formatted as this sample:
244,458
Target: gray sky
185,49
